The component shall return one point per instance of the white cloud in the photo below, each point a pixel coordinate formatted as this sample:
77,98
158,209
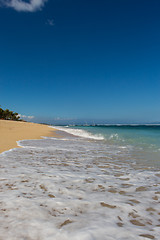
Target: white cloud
20,5
62,119
25,117
50,22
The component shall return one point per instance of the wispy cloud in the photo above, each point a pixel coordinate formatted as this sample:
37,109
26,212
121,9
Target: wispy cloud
50,22
26,117
23,6
62,119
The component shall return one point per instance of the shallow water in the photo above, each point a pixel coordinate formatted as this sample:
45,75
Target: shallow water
144,140
77,188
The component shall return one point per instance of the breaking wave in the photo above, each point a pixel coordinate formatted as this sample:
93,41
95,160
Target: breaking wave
80,133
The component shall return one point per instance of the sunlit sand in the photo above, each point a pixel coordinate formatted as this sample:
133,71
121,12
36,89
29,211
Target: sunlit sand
12,131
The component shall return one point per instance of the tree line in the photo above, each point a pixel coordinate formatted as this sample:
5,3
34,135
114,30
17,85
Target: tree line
9,115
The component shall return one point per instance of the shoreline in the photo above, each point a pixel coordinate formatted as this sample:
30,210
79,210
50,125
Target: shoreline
13,131
39,181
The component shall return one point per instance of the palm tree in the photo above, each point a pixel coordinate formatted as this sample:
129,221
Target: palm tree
1,113
9,115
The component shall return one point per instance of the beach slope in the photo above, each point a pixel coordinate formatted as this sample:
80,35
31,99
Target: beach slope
12,131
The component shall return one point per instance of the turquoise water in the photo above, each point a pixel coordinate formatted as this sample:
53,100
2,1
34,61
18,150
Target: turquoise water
89,183
144,140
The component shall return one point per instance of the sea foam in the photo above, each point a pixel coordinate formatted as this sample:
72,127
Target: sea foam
80,133
77,189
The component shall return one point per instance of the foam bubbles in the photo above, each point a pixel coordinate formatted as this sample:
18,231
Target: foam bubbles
114,136
78,190
80,133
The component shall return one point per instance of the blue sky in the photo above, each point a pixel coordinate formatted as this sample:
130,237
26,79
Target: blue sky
64,60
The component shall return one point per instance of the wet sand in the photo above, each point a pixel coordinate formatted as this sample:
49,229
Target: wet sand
12,131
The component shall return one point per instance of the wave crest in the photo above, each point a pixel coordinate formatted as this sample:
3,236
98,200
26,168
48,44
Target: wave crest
80,133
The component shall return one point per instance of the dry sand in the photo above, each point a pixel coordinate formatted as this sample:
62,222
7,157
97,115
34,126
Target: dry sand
12,131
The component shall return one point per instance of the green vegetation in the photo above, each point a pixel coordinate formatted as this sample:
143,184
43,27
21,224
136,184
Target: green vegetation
9,115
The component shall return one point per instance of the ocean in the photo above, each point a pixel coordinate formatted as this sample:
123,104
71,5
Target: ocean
90,183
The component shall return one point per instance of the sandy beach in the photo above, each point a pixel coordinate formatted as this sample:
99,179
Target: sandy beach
77,186
12,131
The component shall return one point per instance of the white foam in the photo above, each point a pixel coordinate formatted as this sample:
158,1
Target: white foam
114,136
77,190
80,133
5,152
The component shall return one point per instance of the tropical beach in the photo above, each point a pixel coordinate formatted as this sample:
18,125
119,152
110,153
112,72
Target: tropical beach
79,120
91,183
13,131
